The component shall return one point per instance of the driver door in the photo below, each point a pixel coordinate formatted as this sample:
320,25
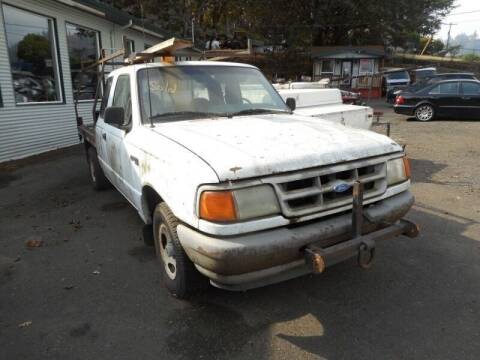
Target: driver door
113,138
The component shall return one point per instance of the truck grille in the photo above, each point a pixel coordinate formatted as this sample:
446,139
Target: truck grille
313,191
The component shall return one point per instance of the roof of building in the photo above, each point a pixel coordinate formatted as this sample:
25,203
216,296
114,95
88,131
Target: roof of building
348,52
116,16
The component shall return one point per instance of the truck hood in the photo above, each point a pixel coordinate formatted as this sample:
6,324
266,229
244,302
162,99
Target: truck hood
250,146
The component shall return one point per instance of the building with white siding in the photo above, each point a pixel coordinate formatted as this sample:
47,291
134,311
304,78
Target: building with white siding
42,46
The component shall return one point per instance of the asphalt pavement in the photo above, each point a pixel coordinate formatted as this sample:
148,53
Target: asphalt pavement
77,282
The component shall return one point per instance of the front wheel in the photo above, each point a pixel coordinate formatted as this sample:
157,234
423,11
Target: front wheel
424,112
180,275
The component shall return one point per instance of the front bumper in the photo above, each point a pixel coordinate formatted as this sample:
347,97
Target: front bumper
266,257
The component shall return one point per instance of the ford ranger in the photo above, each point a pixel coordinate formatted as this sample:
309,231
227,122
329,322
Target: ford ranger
238,190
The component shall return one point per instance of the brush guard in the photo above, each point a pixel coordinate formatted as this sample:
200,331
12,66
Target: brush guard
361,246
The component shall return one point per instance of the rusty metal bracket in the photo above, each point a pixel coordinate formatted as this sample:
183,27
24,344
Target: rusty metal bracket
315,259
412,230
357,210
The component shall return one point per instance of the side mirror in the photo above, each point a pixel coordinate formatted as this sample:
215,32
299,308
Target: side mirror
114,115
291,103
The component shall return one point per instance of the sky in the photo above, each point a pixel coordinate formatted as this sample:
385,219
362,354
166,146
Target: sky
466,23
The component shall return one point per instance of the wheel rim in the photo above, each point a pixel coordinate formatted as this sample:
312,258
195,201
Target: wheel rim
92,171
167,251
424,113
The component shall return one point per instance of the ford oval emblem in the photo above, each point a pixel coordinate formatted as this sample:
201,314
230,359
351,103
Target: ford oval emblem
341,187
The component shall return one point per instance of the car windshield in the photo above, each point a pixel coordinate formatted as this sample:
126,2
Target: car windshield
172,93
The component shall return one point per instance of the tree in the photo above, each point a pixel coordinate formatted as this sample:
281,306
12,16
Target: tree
301,23
34,49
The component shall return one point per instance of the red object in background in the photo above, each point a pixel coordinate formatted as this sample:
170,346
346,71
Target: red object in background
373,93
350,98
399,100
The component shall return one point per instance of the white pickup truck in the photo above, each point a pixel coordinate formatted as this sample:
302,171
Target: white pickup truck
237,189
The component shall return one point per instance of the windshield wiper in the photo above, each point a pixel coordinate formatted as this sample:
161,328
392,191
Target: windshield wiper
258,111
184,113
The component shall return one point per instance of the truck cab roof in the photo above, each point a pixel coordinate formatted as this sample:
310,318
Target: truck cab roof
135,67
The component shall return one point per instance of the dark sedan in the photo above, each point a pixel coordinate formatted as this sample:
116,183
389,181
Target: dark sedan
428,80
441,99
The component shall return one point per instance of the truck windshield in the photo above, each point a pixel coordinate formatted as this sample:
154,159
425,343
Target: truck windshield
174,93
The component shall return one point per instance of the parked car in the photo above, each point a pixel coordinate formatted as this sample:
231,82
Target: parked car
234,187
421,74
395,80
427,81
442,98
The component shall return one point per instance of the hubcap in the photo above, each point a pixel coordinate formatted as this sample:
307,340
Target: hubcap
424,113
167,251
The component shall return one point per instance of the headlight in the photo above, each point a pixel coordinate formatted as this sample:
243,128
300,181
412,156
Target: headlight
239,204
398,170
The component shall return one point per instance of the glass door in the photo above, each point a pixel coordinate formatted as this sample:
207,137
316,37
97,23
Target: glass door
347,72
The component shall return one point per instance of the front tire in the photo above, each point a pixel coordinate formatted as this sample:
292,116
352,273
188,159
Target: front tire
180,275
424,112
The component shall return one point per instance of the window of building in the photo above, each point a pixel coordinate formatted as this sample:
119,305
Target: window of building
122,97
33,56
366,66
129,44
328,66
83,49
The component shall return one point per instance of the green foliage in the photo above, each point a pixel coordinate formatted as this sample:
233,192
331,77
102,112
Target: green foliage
301,23
471,57
33,47
434,47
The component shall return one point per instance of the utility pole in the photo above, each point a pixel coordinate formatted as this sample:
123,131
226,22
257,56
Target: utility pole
193,30
448,37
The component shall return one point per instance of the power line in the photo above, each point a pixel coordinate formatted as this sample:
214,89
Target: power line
464,12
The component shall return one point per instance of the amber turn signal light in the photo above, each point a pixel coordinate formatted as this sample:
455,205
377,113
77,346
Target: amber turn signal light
406,164
217,206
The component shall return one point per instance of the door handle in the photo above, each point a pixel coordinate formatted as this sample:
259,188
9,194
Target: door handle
134,159
104,136
466,97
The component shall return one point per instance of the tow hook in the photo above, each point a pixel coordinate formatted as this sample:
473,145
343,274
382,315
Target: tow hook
366,254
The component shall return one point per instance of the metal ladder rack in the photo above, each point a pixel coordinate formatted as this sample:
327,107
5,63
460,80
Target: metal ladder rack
164,49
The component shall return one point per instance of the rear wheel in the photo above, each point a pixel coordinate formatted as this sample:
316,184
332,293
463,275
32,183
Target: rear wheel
97,176
179,274
424,112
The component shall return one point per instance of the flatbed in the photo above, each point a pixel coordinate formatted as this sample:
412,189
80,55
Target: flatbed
87,134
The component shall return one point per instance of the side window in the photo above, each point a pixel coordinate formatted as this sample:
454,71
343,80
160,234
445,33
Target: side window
470,88
122,97
449,88
435,90
106,94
